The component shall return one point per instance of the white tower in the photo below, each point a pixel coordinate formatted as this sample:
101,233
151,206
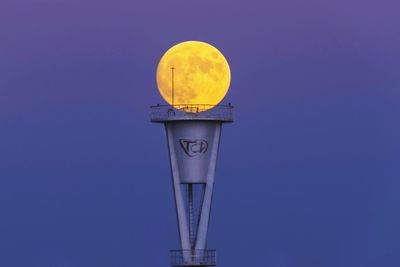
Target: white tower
193,141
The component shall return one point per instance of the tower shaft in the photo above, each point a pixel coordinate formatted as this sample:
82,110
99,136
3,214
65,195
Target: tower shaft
193,142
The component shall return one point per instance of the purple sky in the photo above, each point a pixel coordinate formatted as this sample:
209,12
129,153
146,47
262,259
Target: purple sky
308,174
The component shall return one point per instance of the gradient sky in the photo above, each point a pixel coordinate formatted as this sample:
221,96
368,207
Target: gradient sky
308,174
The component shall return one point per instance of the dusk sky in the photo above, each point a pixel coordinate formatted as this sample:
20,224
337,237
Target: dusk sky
308,174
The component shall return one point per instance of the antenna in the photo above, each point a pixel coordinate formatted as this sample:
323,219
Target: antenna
172,74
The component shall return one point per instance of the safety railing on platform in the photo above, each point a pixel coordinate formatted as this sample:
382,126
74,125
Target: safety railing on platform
161,113
206,257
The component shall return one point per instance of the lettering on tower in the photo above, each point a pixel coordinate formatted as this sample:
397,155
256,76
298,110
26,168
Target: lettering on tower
193,147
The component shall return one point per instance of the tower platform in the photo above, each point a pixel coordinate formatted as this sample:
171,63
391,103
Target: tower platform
165,113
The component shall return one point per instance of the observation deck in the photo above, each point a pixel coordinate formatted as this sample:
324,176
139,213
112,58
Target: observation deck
182,112
200,258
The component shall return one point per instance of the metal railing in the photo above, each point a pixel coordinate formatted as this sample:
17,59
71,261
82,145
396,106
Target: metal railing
162,113
193,108
204,257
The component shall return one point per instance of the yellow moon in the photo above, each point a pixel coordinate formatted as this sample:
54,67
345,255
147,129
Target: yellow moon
193,73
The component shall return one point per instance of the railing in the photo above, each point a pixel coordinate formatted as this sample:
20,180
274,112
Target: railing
206,257
193,108
161,113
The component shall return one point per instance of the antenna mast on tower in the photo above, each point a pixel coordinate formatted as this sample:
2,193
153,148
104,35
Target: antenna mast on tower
172,74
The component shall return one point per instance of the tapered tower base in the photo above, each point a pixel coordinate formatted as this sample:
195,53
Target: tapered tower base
193,134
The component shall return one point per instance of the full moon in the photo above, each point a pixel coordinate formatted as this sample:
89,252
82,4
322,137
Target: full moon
193,73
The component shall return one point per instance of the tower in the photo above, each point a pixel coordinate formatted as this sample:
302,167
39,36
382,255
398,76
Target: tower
193,72
193,141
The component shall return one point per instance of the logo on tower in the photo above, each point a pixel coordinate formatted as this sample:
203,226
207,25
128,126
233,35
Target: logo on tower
193,147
